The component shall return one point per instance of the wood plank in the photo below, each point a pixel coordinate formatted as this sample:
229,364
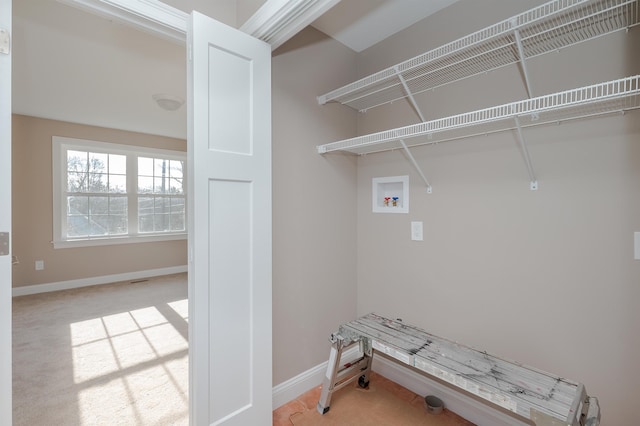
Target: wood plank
509,384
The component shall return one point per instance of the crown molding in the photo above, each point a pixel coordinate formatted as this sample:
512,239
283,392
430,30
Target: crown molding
275,22
151,16
279,20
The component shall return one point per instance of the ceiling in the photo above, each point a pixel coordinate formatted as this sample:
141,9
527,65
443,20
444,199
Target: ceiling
360,24
73,66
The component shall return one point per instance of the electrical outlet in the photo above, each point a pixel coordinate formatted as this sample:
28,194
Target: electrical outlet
416,231
39,265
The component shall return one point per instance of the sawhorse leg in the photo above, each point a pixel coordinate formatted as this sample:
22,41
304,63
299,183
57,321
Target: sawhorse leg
336,378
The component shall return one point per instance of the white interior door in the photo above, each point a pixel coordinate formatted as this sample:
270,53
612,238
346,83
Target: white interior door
5,214
230,225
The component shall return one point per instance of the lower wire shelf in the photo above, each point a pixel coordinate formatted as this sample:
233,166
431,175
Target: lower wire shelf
604,98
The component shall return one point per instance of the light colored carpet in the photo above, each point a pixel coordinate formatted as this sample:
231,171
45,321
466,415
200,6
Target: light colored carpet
105,355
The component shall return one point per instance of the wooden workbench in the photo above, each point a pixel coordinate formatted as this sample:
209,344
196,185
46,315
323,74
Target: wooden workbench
535,395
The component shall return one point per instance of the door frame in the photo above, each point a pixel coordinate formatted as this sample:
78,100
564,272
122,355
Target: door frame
5,219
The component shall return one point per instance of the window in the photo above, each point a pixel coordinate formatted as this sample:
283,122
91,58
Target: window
108,193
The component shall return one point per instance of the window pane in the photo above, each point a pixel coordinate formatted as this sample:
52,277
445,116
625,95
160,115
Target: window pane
77,161
98,205
177,205
176,186
145,166
77,226
117,164
162,205
175,167
145,185
77,205
160,167
161,217
161,222
118,206
177,214
98,182
160,185
98,162
145,214
98,225
117,224
98,215
76,182
145,205
117,183
146,224
177,222
77,216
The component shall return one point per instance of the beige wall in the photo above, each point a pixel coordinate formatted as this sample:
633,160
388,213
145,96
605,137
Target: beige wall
32,209
314,207
245,10
546,278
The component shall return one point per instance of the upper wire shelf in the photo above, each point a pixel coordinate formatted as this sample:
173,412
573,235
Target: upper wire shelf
598,99
546,28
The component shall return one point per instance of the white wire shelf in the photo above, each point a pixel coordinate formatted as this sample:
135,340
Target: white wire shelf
546,28
604,98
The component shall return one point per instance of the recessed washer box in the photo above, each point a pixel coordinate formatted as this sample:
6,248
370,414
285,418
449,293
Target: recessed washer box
390,194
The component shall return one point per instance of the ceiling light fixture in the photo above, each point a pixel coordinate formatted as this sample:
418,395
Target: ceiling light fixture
168,102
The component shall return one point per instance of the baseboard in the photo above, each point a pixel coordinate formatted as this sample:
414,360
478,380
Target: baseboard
465,406
296,386
104,279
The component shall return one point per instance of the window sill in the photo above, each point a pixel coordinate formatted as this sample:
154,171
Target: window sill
94,242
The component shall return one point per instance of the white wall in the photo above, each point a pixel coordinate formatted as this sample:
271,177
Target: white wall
546,278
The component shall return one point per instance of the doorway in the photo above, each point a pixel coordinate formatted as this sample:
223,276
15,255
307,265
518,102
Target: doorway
62,32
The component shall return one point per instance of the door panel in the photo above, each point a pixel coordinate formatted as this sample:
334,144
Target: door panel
230,225
230,203
232,73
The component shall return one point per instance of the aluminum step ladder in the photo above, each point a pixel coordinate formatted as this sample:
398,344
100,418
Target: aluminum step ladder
338,375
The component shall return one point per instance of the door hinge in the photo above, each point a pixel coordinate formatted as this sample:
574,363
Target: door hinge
4,243
5,41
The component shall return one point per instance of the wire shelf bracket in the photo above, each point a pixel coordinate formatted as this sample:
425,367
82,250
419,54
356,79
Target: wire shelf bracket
523,144
523,61
412,100
422,119
527,158
415,164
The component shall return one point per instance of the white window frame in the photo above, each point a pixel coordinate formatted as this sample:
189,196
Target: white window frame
60,146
